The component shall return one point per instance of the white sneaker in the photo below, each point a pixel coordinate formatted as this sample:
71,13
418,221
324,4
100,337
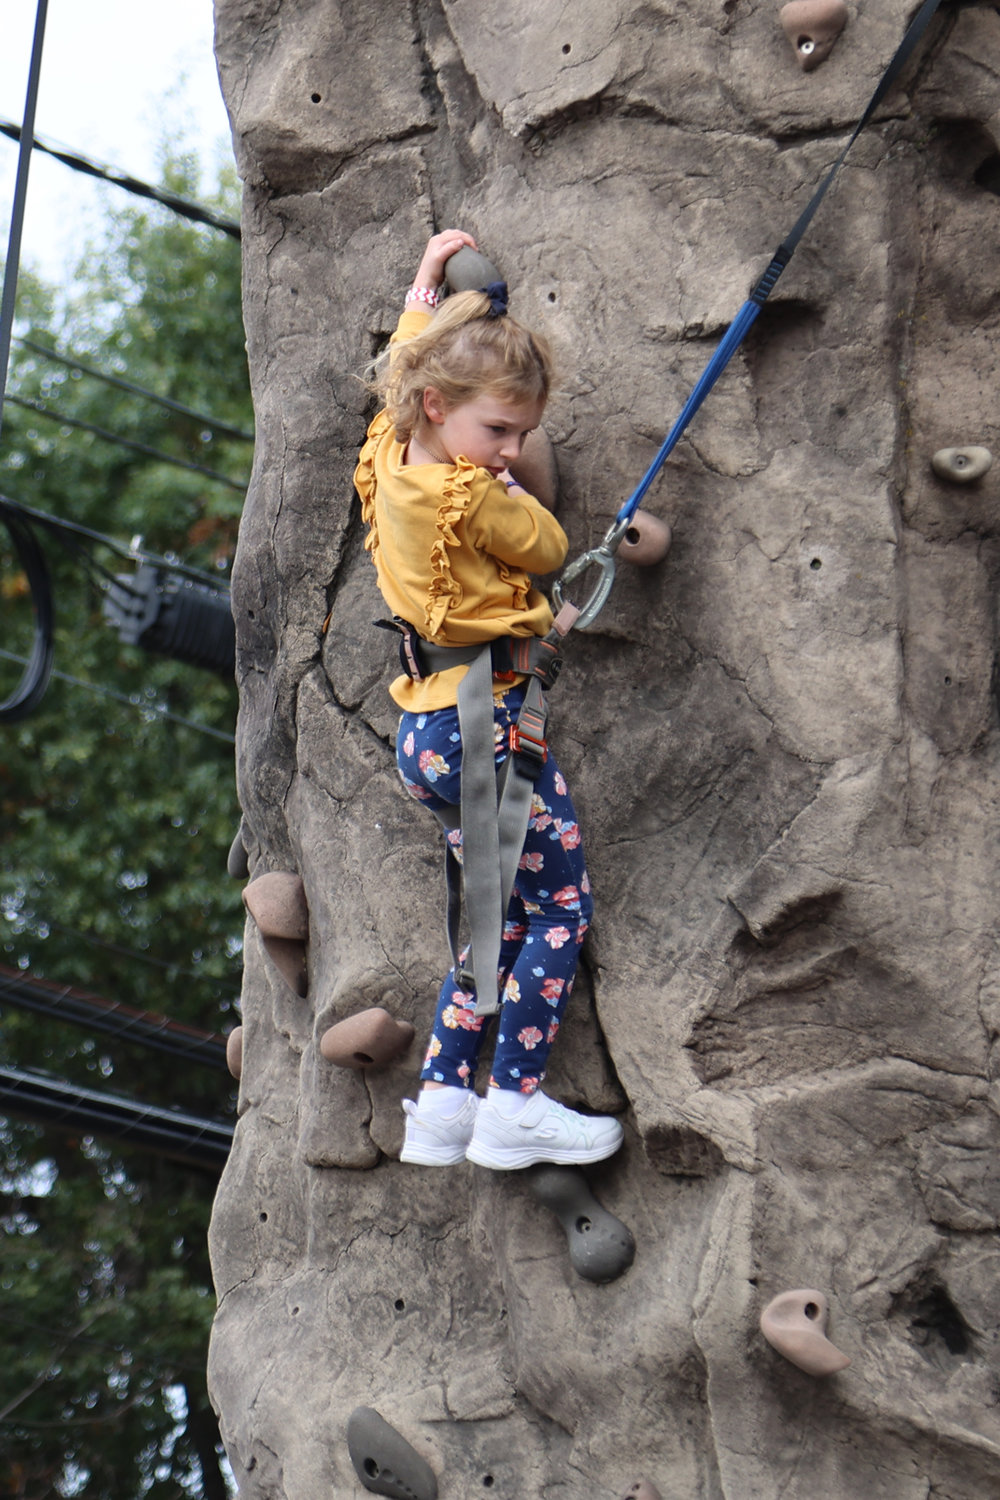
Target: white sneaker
542,1131
437,1134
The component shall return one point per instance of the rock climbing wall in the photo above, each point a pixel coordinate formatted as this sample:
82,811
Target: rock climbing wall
783,744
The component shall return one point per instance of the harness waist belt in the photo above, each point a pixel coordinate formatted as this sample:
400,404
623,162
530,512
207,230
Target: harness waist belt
511,655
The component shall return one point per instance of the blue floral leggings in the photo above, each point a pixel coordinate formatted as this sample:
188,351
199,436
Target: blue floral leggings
549,913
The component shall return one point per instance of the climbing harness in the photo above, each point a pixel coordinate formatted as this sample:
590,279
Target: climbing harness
602,557
495,807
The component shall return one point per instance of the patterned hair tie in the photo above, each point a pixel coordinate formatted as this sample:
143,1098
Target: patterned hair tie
497,293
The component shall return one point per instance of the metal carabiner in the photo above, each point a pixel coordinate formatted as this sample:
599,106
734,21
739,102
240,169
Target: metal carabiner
602,557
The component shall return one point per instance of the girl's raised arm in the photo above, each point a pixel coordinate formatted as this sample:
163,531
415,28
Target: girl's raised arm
430,273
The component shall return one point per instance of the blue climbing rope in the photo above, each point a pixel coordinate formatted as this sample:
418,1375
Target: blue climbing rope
603,556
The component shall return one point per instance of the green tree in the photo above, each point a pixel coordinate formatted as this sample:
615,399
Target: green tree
117,808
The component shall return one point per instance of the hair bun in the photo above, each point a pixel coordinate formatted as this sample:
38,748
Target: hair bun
497,293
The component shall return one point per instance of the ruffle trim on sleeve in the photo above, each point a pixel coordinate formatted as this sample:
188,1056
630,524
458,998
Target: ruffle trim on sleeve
517,581
364,479
445,592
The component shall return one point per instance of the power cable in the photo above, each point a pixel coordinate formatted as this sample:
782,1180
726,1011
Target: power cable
64,1002
129,553
50,1101
112,437
30,690
182,206
144,708
167,608
137,390
13,261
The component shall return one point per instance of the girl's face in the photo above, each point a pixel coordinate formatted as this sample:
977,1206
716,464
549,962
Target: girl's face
488,431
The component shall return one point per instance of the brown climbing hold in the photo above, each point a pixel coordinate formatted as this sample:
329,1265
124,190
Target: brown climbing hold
794,1323
646,541
961,465
370,1039
535,469
234,1051
642,1490
277,903
812,27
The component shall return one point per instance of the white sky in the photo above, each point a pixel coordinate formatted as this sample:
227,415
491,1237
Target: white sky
115,75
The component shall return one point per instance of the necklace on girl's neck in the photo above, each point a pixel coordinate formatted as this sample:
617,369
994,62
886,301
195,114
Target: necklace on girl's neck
429,457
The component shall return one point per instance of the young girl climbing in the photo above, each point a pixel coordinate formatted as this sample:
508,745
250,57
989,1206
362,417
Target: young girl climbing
454,537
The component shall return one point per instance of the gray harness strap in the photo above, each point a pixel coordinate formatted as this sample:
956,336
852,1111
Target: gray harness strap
493,816
494,820
495,807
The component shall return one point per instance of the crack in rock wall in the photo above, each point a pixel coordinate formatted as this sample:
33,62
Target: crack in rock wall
783,744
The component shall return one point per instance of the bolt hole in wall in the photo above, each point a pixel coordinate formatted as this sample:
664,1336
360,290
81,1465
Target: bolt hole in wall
487,1481
399,1304
816,563
263,1216
567,48
988,175
316,98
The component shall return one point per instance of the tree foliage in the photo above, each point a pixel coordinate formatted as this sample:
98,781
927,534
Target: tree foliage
117,808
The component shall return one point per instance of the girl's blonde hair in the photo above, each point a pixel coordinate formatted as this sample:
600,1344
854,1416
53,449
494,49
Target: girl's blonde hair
464,353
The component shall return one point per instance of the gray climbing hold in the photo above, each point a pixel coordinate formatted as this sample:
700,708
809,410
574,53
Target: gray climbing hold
601,1248
237,864
468,271
384,1461
642,1490
961,465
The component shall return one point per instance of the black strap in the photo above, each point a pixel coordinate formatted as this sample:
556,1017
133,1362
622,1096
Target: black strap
900,58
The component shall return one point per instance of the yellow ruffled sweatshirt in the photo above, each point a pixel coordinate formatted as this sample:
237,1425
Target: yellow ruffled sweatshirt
453,550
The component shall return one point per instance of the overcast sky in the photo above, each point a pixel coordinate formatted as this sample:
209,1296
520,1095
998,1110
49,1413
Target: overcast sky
115,74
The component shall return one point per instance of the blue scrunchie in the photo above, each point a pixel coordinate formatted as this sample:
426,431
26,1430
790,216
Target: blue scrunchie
497,293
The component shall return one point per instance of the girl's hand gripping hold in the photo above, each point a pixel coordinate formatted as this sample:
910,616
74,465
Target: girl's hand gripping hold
440,248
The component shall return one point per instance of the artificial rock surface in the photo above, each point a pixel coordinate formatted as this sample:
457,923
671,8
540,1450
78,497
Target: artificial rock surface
783,744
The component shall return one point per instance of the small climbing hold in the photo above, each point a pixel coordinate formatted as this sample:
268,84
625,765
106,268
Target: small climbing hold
468,271
647,540
961,465
277,903
812,27
236,861
384,1461
642,1490
794,1323
535,469
234,1051
601,1248
369,1039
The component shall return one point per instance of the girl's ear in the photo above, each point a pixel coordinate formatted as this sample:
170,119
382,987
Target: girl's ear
434,406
